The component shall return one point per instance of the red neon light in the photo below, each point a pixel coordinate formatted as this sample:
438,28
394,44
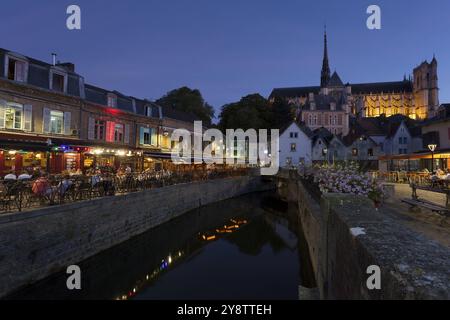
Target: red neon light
113,111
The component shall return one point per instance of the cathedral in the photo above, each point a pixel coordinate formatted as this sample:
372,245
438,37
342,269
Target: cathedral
333,103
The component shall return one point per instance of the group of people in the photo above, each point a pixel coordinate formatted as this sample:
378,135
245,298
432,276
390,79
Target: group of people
441,175
41,185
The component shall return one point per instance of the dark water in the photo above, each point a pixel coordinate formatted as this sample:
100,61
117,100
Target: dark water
245,248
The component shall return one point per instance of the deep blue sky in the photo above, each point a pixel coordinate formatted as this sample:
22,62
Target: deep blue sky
230,48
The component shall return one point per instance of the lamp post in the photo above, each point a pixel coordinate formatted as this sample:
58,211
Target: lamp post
432,148
325,151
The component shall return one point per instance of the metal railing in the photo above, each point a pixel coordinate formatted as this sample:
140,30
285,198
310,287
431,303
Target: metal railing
16,196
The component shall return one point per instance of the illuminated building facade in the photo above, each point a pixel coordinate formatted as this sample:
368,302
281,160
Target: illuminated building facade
319,106
50,119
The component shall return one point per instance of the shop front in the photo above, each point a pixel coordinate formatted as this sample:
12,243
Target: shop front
440,159
19,153
113,159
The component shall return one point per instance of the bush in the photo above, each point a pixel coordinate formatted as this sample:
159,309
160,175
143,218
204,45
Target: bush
347,178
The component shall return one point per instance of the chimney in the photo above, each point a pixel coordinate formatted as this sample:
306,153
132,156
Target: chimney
54,58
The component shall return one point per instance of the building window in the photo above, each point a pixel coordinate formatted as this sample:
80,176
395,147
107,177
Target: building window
148,111
58,82
370,152
147,138
118,132
291,135
56,122
99,130
293,147
13,116
354,152
112,101
17,70
296,135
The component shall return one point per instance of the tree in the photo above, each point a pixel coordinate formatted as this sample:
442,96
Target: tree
188,100
254,111
283,113
250,112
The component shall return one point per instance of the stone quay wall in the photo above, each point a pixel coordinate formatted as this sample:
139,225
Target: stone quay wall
412,266
38,243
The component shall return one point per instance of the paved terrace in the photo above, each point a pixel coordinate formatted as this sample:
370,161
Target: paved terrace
432,225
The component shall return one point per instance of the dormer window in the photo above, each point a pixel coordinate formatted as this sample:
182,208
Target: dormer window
16,69
152,111
148,111
112,100
58,81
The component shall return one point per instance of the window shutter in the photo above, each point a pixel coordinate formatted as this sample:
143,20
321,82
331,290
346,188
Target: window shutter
91,128
141,136
153,136
46,121
28,117
127,134
110,131
6,67
2,114
67,123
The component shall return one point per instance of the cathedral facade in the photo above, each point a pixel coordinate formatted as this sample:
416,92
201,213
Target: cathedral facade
333,103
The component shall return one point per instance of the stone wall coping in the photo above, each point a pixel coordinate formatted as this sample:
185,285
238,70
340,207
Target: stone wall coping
421,264
56,209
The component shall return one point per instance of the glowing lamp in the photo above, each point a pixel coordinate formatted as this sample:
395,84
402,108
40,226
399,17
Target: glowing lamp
432,147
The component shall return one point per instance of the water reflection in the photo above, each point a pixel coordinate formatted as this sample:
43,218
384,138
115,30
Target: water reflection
243,248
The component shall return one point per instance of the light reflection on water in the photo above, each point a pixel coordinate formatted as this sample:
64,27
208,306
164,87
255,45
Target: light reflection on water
235,249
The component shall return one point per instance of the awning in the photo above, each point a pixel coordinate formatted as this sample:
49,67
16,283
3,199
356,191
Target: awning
23,142
441,154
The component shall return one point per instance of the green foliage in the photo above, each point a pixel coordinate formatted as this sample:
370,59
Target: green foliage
188,100
254,111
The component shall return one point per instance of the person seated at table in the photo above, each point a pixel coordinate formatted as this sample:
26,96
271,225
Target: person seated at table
64,185
24,176
10,176
41,187
96,178
440,174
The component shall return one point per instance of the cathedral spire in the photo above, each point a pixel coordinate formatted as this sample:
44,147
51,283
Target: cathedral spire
325,74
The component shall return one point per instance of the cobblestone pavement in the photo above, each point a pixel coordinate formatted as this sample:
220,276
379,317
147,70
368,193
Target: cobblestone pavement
432,225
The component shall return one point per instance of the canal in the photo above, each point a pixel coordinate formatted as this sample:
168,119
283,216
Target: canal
249,247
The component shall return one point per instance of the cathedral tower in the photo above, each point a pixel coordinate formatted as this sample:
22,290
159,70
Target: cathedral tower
426,90
325,74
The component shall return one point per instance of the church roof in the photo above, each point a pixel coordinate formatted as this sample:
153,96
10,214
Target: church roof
294,92
379,87
335,81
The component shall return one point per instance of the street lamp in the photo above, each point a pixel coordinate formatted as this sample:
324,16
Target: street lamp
432,148
325,151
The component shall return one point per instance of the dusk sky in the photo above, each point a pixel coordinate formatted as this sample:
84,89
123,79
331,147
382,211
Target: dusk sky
232,48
